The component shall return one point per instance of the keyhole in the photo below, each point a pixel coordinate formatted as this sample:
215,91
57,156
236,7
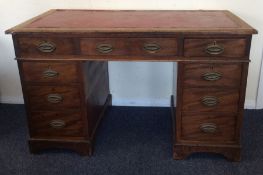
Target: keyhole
214,42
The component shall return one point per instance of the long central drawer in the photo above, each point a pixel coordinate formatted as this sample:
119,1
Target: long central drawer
57,47
132,46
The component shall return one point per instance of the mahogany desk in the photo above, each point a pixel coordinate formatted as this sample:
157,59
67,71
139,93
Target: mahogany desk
63,62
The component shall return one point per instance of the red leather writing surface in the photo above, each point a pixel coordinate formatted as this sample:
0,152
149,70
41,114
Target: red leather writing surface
133,19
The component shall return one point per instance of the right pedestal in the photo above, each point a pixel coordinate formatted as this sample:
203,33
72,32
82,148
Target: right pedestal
209,110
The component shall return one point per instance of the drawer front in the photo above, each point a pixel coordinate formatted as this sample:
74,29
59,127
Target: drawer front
154,46
103,46
129,46
210,100
49,72
44,47
53,97
215,47
209,127
56,124
221,75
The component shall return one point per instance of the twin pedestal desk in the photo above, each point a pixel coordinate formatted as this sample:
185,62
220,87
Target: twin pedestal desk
63,63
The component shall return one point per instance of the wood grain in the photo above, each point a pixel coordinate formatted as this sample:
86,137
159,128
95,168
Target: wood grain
40,124
129,46
96,80
226,125
38,97
227,100
232,47
66,72
28,46
193,74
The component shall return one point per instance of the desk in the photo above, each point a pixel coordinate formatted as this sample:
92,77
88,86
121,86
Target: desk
63,62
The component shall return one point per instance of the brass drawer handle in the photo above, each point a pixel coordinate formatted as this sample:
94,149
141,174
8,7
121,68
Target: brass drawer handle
151,47
209,128
57,124
214,49
54,98
210,101
46,47
104,48
212,76
49,73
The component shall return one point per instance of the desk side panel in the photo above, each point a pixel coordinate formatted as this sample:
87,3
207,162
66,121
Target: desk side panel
96,87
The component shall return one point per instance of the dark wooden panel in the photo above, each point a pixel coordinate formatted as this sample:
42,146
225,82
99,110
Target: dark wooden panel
42,124
96,80
55,72
227,100
242,99
38,97
29,46
201,75
225,127
231,47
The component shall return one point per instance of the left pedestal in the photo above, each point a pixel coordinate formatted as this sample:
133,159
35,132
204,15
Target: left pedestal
65,102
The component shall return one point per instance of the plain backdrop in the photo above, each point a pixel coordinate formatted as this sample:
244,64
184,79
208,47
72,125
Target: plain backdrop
131,83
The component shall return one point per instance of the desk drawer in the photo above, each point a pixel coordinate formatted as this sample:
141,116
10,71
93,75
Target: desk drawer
154,46
210,100
104,46
208,127
44,46
56,124
53,97
129,46
51,72
212,75
215,47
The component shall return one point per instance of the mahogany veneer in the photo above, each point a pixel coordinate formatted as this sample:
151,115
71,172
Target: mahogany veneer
63,62
232,47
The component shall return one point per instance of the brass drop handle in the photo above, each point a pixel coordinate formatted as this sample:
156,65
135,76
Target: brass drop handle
104,48
49,73
46,47
210,101
151,47
54,98
214,49
212,76
209,128
57,124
